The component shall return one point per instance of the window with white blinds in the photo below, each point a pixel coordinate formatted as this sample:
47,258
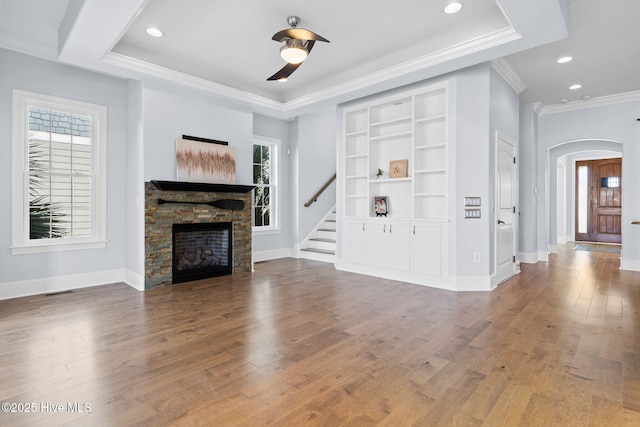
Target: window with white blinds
61,178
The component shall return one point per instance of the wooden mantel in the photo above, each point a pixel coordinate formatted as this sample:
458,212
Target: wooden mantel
201,186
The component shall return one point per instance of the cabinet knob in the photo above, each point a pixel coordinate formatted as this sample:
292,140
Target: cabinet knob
384,228
414,229
363,226
390,229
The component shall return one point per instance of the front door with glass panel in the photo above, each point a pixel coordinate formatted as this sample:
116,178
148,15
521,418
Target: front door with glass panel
599,200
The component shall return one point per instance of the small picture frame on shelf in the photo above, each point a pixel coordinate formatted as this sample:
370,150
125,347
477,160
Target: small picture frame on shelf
398,168
380,205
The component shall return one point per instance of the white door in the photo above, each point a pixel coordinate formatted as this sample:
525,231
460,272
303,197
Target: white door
505,210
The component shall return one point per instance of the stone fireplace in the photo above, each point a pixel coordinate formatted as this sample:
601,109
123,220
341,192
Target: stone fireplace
216,240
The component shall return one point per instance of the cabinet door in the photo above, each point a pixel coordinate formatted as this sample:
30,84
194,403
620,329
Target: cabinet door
377,244
399,246
426,249
354,243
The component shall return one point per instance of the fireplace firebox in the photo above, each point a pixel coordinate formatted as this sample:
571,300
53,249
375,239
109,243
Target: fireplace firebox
202,250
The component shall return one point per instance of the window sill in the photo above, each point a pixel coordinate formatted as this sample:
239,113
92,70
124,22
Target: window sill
57,247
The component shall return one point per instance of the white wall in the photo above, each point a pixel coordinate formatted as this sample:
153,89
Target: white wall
581,130
35,273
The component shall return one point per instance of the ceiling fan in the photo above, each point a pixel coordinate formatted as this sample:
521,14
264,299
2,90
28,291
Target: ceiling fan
298,42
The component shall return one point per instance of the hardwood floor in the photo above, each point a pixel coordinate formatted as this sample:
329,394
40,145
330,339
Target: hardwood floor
298,343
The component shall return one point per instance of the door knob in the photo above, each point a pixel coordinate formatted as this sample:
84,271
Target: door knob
501,222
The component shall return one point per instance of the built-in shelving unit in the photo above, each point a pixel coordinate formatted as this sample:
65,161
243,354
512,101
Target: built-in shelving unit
410,243
412,128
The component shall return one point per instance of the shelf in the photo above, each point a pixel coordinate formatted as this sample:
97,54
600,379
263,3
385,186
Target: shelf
431,119
201,186
386,180
399,120
390,136
428,171
430,146
357,133
412,127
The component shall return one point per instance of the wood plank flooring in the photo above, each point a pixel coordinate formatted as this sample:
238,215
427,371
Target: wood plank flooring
298,343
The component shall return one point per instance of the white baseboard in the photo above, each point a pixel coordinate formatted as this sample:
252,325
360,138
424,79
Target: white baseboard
450,283
528,257
259,256
474,283
135,280
543,256
553,249
47,285
630,264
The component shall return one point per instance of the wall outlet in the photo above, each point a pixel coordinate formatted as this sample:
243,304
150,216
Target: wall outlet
476,257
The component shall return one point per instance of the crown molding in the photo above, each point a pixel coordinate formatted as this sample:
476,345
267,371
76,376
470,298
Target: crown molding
289,108
537,107
148,69
506,71
591,103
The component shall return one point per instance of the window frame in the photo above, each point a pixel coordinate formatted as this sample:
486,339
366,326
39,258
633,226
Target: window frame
274,195
21,241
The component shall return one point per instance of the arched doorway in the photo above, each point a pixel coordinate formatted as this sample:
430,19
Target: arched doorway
561,195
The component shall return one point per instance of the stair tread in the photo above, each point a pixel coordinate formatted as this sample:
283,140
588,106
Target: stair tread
326,229
319,239
330,220
321,251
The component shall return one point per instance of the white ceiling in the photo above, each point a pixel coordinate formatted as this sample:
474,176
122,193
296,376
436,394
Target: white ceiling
225,46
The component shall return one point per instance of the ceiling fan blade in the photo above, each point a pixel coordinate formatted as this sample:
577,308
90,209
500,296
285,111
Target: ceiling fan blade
297,34
284,72
288,69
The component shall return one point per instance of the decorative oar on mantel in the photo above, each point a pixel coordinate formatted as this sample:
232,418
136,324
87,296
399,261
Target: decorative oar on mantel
231,204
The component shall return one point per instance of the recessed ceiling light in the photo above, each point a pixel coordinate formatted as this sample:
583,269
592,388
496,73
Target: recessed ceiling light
453,7
564,59
575,86
585,97
564,101
282,79
154,32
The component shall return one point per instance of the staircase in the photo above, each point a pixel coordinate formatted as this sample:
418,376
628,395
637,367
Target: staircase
320,245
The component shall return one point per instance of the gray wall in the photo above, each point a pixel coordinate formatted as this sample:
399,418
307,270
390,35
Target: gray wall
505,118
277,129
170,112
36,75
135,187
472,171
527,195
316,156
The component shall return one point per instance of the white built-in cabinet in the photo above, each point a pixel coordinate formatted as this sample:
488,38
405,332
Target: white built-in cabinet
410,242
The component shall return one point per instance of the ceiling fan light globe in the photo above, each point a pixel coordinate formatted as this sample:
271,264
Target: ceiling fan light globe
293,54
